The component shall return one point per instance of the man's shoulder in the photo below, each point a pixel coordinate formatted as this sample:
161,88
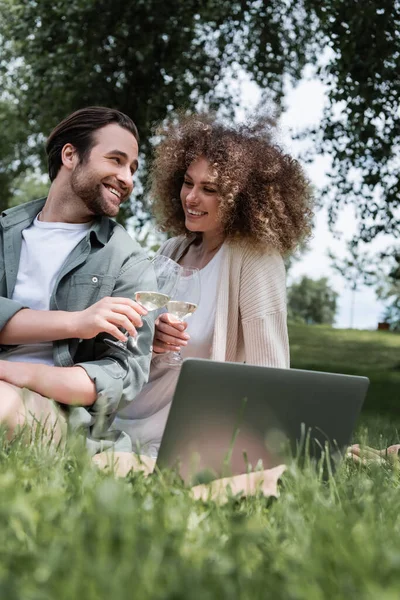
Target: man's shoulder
121,240
23,211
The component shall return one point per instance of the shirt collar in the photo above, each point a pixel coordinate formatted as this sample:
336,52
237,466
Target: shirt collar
27,212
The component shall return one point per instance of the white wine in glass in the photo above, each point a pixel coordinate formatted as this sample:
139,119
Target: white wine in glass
152,300
167,273
183,303
180,309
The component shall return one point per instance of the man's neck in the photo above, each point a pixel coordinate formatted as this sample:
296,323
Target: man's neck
62,206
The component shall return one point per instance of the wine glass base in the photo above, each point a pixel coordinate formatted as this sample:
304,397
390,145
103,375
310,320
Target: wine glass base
171,359
174,361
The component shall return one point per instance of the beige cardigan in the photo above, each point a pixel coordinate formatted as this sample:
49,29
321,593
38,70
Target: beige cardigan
250,316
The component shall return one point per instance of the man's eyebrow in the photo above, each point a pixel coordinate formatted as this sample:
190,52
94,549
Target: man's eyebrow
124,155
119,153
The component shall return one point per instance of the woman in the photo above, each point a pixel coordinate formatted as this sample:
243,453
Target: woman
236,205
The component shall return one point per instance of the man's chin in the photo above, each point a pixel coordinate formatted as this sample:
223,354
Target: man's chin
105,208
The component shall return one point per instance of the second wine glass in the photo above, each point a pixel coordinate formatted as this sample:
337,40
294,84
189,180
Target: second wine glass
167,273
182,304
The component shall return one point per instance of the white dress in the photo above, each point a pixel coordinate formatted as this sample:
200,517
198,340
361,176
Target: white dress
145,418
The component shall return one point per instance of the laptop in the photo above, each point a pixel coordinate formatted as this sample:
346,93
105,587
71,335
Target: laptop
229,418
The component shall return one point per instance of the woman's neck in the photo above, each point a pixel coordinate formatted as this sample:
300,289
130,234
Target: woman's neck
211,243
201,252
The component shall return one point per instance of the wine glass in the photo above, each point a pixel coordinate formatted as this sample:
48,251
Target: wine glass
167,273
182,304
156,296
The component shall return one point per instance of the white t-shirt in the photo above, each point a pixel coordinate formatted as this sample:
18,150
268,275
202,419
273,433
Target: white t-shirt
145,418
44,250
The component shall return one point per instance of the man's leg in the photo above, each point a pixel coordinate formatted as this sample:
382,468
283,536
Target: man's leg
22,407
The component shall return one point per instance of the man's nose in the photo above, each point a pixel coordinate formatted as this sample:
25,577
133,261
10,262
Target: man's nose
125,177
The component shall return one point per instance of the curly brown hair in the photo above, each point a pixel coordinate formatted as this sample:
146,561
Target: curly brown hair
265,197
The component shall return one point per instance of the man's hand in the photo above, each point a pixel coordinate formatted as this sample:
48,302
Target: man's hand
169,334
108,315
34,326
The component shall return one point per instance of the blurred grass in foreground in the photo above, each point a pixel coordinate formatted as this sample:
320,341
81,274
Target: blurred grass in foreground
68,531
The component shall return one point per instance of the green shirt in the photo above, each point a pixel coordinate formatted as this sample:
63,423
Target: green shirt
107,262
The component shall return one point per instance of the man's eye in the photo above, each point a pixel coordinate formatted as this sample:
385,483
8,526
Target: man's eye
117,160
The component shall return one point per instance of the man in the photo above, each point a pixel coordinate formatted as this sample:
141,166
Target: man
68,274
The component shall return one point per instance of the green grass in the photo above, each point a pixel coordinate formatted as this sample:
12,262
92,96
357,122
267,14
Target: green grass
69,532
375,354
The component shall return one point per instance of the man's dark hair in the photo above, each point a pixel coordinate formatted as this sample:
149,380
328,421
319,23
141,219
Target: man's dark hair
77,129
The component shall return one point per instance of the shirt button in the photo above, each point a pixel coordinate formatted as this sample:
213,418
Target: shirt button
94,279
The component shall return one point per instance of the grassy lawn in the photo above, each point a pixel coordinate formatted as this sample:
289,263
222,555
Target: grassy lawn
375,354
68,531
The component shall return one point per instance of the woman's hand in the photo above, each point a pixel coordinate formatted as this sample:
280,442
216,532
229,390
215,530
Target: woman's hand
169,334
365,455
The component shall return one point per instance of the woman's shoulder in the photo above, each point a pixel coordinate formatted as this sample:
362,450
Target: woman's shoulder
175,246
253,256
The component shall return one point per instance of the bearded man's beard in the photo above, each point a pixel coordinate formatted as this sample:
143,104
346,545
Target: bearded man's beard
85,184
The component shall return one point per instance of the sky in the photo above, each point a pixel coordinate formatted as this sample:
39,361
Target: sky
304,106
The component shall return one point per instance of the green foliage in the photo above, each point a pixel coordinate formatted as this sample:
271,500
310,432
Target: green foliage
387,281
15,155
360,129
148,57
312,301
356,268
390,291
142,57
28,186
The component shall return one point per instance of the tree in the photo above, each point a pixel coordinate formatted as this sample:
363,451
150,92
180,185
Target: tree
360,129
141,56
15,157
356,269
148,57
312,301
388,287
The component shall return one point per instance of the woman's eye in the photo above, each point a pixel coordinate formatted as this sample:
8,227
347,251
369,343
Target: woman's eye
189,183
209,190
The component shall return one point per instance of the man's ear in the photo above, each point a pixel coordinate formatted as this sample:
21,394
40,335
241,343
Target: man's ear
69,156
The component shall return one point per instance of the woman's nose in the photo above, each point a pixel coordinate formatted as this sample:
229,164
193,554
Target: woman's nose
192,194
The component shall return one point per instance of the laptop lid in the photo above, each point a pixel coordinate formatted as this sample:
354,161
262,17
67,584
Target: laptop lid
227,417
